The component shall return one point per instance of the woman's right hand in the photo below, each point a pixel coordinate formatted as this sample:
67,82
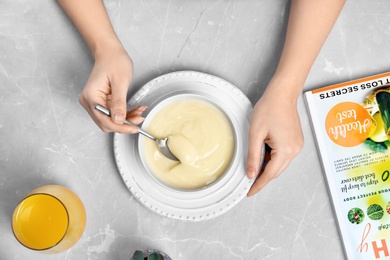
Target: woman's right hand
107,86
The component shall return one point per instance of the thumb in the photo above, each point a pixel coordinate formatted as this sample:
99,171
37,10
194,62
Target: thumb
255,153
118,107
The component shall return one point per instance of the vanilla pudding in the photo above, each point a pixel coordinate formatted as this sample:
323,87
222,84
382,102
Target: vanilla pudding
199,135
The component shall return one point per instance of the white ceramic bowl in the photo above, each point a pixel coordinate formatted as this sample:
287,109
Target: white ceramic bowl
149,119
192,205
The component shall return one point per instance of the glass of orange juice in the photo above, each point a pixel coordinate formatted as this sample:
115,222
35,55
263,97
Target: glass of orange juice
50,219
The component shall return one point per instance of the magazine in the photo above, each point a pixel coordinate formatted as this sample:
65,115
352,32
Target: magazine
351,124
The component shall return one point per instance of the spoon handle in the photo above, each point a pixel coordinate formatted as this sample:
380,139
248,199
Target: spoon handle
141,131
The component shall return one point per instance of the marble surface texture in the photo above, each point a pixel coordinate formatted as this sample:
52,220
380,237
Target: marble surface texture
46,137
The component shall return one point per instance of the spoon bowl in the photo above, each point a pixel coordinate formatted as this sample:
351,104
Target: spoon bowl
161,143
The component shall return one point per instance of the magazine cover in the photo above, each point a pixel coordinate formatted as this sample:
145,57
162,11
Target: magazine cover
351,123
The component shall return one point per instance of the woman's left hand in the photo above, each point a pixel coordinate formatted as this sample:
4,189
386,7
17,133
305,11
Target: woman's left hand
275,122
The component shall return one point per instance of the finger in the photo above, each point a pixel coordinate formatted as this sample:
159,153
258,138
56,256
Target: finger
134,116
107,125
118,100
137,120
264,178
255,151
273,169
136,111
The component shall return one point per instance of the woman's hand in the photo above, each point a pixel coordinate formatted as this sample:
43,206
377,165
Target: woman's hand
113,70
275,122
107,86
275,118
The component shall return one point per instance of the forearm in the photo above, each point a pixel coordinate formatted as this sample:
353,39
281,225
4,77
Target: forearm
310,22
91,20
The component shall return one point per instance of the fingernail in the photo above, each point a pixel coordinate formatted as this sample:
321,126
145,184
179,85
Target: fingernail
250,172
119,118
143,108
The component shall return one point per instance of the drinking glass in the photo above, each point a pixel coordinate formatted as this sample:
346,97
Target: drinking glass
50,219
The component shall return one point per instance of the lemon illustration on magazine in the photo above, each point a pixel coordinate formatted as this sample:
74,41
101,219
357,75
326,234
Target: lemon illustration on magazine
378,105
378,133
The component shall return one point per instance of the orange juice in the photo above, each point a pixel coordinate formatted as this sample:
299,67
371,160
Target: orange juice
40,221
51,219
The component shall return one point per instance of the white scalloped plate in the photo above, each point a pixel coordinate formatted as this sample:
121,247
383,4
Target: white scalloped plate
196,205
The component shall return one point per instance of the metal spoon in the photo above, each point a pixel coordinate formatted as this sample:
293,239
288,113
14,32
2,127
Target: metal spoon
161,143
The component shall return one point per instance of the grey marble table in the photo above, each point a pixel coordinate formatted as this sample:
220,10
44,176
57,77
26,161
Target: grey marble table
47,138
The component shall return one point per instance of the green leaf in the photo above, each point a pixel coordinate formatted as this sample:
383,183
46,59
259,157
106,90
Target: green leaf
155,256
375,212
138,255
376,147
383,100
